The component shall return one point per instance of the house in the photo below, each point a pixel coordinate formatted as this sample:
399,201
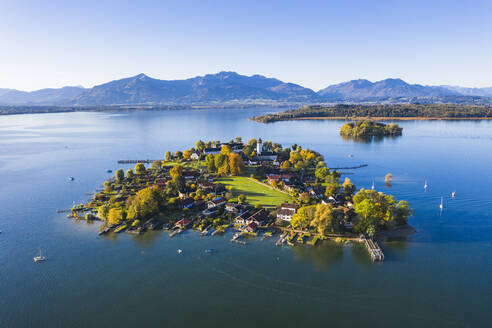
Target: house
286,211
267,156
194,156
260,217
206,186
250,227
235,208
285,177
183,223
216,202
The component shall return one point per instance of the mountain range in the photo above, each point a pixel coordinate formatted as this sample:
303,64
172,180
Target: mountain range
233,88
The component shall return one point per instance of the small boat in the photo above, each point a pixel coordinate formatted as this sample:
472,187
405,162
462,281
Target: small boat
350,155
425,185
210,250
453,194
71,178
40,258
440,206
180,251
109,171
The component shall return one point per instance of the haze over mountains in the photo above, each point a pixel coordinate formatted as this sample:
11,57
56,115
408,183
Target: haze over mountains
233,88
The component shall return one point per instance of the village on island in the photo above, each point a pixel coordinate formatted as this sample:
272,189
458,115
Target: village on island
255,189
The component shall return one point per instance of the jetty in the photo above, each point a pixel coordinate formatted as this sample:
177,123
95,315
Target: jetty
374,250
175,232
348,167
282,239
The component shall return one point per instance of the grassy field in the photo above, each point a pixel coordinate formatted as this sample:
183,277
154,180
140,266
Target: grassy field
255,193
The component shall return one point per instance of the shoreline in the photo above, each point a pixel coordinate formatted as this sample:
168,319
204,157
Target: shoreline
399,232
392,118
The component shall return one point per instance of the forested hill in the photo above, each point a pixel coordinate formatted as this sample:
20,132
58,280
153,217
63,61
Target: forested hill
424,111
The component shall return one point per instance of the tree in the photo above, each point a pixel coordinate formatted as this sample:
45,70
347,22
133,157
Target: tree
219,160
200,146
322,218
321,173
348,187
115,216
285,166
236,165
239,139
168,156
144,204
304,197
178,154
403,211
177,178
209,160
102,211
248,150
119,175
302,218
388,178
156,165
225,150
332,190
139,168
129,173
241,198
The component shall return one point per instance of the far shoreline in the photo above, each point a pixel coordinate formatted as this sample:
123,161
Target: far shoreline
393,118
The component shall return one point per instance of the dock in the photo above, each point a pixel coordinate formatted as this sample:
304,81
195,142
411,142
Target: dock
282,239
374,250
175,232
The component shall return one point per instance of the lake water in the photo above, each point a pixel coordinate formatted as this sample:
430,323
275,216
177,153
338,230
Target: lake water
439,277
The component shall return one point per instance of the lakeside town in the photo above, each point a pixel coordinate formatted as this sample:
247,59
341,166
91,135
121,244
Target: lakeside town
258,188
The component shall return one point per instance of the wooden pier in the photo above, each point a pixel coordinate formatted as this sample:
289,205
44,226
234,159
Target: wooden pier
374,250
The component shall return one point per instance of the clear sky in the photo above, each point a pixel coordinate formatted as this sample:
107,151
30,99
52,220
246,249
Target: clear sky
47,43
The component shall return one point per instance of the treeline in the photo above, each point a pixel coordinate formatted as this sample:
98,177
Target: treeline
370,129
448,111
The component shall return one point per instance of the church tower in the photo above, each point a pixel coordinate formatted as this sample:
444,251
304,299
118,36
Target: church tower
259,146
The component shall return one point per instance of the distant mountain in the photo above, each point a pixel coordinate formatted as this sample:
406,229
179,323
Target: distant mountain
230,88
211,88
357,90
39,97
479,92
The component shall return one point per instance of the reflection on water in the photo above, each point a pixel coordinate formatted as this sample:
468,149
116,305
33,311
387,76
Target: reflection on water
368,139
323,256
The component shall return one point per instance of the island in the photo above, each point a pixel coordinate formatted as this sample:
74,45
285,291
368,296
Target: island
256,188
369,129
381,112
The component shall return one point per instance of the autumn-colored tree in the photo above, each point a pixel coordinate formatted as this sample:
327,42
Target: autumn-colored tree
186,154
236,164
348,187
322,218
285,165
139,168
129,173
144,204
303,217
332,189
119,175
225,150
168,156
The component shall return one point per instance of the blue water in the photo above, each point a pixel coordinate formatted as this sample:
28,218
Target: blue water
439,277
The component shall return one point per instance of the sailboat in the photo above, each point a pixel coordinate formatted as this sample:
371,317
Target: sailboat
372,187
453,194
40,258
425,185
440,206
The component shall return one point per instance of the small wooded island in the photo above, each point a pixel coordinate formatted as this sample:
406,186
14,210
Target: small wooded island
254,187
367,129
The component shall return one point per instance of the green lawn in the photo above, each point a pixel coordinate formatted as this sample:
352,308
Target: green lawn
255,193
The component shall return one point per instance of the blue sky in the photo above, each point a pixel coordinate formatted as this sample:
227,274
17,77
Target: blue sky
313,43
